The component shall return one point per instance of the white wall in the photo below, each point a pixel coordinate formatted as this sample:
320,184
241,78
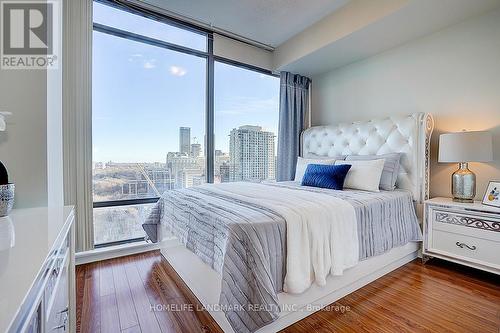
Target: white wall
453,74
55,166
23,146
31,147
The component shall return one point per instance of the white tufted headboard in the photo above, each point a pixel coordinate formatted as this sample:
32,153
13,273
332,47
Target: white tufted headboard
409,135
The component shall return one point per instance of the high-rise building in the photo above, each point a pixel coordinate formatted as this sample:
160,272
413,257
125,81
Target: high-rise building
220,160
195,150
251,154
190,177
185,140
224,174
176,163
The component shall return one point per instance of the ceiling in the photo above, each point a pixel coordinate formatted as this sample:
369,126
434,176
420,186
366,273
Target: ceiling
270,22
416,19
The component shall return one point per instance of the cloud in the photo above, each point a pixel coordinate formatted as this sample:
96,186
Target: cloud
134,56
149,64
177,71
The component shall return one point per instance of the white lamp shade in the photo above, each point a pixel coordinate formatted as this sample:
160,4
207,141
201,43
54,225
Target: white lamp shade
465,147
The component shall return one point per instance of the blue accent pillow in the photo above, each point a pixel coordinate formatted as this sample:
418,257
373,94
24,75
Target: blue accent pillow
326,176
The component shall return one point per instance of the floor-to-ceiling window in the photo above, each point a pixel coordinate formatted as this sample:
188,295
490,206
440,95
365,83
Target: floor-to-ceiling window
148,123
246,124
157,88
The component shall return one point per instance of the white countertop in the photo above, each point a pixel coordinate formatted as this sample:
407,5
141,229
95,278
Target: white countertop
26,239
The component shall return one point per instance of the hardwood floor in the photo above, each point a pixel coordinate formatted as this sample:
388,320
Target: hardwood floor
116,296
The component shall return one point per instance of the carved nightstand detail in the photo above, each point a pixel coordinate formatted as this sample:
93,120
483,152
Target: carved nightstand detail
468,221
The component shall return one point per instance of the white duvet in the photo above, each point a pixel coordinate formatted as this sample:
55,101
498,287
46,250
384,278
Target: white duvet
322,236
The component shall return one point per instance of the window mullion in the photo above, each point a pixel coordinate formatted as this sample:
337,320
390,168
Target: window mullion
210,148
147,40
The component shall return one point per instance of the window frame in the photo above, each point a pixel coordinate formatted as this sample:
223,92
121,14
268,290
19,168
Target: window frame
210,57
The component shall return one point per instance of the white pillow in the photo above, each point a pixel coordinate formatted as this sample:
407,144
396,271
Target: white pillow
391,168
363,175
302,164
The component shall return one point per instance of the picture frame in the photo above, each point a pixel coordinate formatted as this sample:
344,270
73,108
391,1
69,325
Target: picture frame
492,195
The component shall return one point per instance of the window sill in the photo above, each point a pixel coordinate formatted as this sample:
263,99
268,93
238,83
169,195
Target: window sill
116,251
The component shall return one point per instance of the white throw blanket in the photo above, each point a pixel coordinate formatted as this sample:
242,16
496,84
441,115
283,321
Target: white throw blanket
322,233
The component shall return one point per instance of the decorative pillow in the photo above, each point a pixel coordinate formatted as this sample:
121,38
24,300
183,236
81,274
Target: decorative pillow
390,171
363,175
326,176
302,164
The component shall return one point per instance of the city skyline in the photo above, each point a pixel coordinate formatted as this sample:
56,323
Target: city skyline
251,157
138,104
190,149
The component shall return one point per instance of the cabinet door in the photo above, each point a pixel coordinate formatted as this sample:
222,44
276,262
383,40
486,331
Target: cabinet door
57,318
35,323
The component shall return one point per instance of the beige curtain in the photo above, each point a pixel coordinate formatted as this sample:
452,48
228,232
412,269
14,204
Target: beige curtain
77,117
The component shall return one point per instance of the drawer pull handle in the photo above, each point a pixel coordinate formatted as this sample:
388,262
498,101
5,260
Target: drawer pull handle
461,245
64,311
63,327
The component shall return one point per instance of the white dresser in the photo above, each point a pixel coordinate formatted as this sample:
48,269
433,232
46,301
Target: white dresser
37,274
465,233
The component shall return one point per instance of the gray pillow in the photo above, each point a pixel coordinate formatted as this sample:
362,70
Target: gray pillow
390,171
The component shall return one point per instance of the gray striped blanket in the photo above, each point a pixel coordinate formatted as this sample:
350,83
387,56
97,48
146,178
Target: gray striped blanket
246,242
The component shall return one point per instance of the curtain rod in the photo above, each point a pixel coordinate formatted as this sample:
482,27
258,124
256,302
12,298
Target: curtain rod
140,4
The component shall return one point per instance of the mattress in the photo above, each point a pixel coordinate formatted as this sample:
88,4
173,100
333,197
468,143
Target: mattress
245,241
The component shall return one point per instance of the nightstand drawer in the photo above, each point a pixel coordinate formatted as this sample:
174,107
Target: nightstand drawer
467,220
477,249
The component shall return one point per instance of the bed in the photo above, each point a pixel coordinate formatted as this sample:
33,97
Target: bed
260,257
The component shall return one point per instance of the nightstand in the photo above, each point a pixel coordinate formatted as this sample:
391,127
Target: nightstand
465,233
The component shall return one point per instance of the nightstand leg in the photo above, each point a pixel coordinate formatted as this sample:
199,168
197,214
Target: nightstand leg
425,258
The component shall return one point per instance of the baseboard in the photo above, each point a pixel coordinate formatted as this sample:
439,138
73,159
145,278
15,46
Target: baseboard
114,252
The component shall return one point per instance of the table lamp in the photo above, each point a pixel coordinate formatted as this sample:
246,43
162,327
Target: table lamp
461,148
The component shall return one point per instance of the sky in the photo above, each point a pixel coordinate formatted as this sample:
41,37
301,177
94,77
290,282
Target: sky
142,94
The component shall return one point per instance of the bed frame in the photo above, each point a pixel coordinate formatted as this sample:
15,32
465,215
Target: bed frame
406,134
